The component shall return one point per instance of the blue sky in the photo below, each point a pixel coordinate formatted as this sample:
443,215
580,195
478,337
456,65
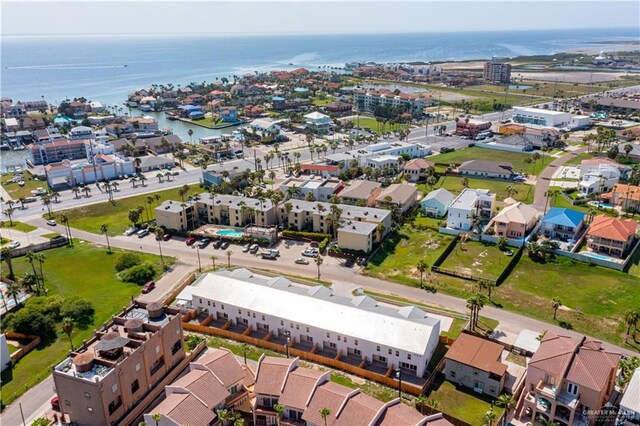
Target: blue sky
27,17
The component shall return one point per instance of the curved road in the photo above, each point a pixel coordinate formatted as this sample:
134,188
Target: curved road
544,178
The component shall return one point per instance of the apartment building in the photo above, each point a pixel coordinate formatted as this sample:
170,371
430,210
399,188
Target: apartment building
611,236
470,207
358,328
215,381
175,215
566,378
497,71
81,132
100,382
303,392
319,188
234,210
370,100
104,167
57,150
393,149
361,192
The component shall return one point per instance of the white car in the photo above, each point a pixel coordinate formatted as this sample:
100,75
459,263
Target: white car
130,231
246,248
310,252
51,222
14,244
302,261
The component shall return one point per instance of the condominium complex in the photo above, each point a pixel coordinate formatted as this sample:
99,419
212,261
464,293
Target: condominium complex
370,100
358,327
497,71
100,382
319,189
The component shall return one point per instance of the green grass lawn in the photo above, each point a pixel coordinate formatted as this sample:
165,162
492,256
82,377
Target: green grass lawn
634,265
90,218
375,126
400,252
499,187
30,184
477,259
576,160
519,160
12,349
50,235
4,241
83,270
19,226
321,102
461,402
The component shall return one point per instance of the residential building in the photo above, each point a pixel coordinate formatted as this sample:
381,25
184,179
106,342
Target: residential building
514,221
103,167
319,188
418,169
475,363
143,124
563,224
319,123
470,207
173,215
544,117
625,196
611,236
155,162
598,175
234,210
497,71
611,105
358,328
193,112
358,236
215,381
216,173
320,169
486,169
385,163
566,378
102,380
630,404
56,151
161,144
471,127
339,108
361,193
395,149
371,100
436,203
401,195
229,114
119,129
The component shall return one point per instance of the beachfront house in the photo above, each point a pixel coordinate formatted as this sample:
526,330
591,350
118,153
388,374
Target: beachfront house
470,208
437,202
562,224
319,123
514,221
611,236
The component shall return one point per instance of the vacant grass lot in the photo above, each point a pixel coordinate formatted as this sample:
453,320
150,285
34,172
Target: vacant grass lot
375,126
525,193
576,160
461,402
18,226
86,271
15,191
115,216
519,160
478,259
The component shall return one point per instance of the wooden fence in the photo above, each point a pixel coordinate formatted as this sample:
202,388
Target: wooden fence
33,342
307,356
188,280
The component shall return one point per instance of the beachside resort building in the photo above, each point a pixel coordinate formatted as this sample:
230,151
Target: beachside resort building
104,379
358,328
369,100
497,71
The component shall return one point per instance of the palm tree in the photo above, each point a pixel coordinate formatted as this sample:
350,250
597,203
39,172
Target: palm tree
511,191
631,318
156,418
319,260
28,281
244,347
475,303
182,192
104,228
223,415
87,191
279,409
67,327
40,258
489,417
422,267
9,213
142,178
324,413
133,181
464,182
13,290
431,181
30,256
535,157
507,401
213,260
555,304
229,253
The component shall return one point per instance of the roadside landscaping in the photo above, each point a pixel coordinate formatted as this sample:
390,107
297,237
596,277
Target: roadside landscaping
90,218
18,226
84,271
518,160
376,126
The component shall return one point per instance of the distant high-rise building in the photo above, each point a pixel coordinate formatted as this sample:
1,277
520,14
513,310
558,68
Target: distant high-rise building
497,71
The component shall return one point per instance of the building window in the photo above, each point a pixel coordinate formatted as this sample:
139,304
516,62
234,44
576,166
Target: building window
290,325
254,315
328,335
114,388
87,395
397,353
208,302
390,352
408,356
200,300
297,326
222,307
240,311
307,329
281,322
263,318
452,374
339,338
157,349
492,389
176,347
378,348
355,342
135,386
572,388
459,367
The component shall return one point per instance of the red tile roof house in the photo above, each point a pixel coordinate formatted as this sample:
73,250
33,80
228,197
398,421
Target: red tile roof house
567,378
304,392
215,381
611,236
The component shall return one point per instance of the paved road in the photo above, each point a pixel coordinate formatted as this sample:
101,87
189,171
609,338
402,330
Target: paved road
544,178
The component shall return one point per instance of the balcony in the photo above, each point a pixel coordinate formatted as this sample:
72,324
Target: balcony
562,397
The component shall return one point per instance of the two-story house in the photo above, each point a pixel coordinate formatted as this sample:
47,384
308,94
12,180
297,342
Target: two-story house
611,236
514,221
567,378
470,208
562,224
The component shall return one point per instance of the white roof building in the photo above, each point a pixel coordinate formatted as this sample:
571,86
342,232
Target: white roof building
359,326
630,404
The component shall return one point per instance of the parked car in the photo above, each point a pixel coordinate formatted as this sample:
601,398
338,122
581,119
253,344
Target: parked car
14,244
224,245
55,403
166,237
310,252
254,248
143,233
189,241
51,222
203,243
314,244
275,252
148,287
130,231
269,256
519,179
246,247
349,262
446,149
217,244
302,261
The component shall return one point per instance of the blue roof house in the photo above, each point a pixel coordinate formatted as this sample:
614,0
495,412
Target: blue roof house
436,203
562,224
193,112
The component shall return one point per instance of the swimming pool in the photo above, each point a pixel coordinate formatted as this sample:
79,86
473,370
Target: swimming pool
601,205
597,256
230,233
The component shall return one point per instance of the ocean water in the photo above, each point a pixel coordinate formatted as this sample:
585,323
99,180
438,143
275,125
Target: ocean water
106,69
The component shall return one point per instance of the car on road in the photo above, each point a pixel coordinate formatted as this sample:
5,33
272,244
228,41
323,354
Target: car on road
189,241
166,237
143,233
176,173
55,403
51,222
446,149
203,243
254,248
14,244
224,245
148,287
269,256
245,248
310,252
302,261
130,231
519,179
